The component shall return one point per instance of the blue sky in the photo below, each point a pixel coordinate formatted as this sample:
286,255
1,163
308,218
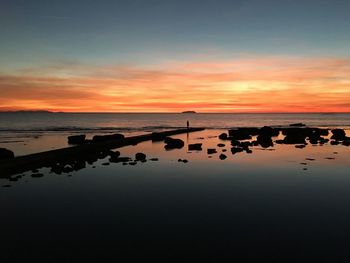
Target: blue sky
145,32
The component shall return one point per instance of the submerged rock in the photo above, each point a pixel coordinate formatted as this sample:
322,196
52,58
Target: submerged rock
211,151
222,156
338,134
76,139
223,136
6,154
109,137
195,147
140,156
173,143
119,159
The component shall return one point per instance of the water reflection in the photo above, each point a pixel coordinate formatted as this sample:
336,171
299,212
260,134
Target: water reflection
209,147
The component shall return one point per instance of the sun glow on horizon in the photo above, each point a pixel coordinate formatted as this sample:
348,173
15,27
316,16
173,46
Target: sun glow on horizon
262,84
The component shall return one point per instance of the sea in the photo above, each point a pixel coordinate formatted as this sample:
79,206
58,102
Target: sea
277,204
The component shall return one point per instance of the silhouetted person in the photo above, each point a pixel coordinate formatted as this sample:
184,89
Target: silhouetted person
188,124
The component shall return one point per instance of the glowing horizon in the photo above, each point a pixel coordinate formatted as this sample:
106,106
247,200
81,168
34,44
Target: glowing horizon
252,84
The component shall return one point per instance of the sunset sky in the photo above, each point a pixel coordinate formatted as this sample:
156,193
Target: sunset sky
171,56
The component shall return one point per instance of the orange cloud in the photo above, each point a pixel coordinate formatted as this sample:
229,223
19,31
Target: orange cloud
263,84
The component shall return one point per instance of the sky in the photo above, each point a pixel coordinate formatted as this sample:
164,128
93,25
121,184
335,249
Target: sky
171,56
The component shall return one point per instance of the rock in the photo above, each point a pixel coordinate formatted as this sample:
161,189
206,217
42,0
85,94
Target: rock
179,160
119,159
221,145
105,164
195,147
236,150
249,151
76,139
223,136
299,124
6,154
269,132
173,143
239,134
132,163
338,134
157,137
346,143
37,175
222,156
224,150
115,154
300,146
335,142
211,151
185,161
140,156
110,137
154,159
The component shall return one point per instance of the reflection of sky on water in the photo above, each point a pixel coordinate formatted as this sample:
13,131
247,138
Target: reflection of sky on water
264,200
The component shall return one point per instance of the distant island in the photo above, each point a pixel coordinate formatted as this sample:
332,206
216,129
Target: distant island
27,111
189,111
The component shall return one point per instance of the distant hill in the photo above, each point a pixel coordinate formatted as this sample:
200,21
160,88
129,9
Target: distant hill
27,111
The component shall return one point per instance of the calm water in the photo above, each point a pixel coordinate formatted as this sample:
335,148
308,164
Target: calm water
282,204
26,133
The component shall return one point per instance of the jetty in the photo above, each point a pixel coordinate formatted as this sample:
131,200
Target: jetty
80,153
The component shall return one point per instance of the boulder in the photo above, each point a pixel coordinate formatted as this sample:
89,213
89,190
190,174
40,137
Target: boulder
157,137
338,134
223,136
140,156
195,147
211,151
173,143
236,150
6,154
109,137
299,124
76,139
222,156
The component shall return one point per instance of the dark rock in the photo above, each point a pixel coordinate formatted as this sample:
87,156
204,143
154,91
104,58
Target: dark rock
338,134
6,185
223,136
310,159
222,156
195,147
76,139
173,143
249,151
154,159
300,146
185,161
132,163
211,151
346,143
140,156
269,132
157,137
6,154
37,175
105,164
143,161
335,142
239,134
119,159
299,124
236,150
115,154
179,160
224,150
221,145
110,137
235,143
